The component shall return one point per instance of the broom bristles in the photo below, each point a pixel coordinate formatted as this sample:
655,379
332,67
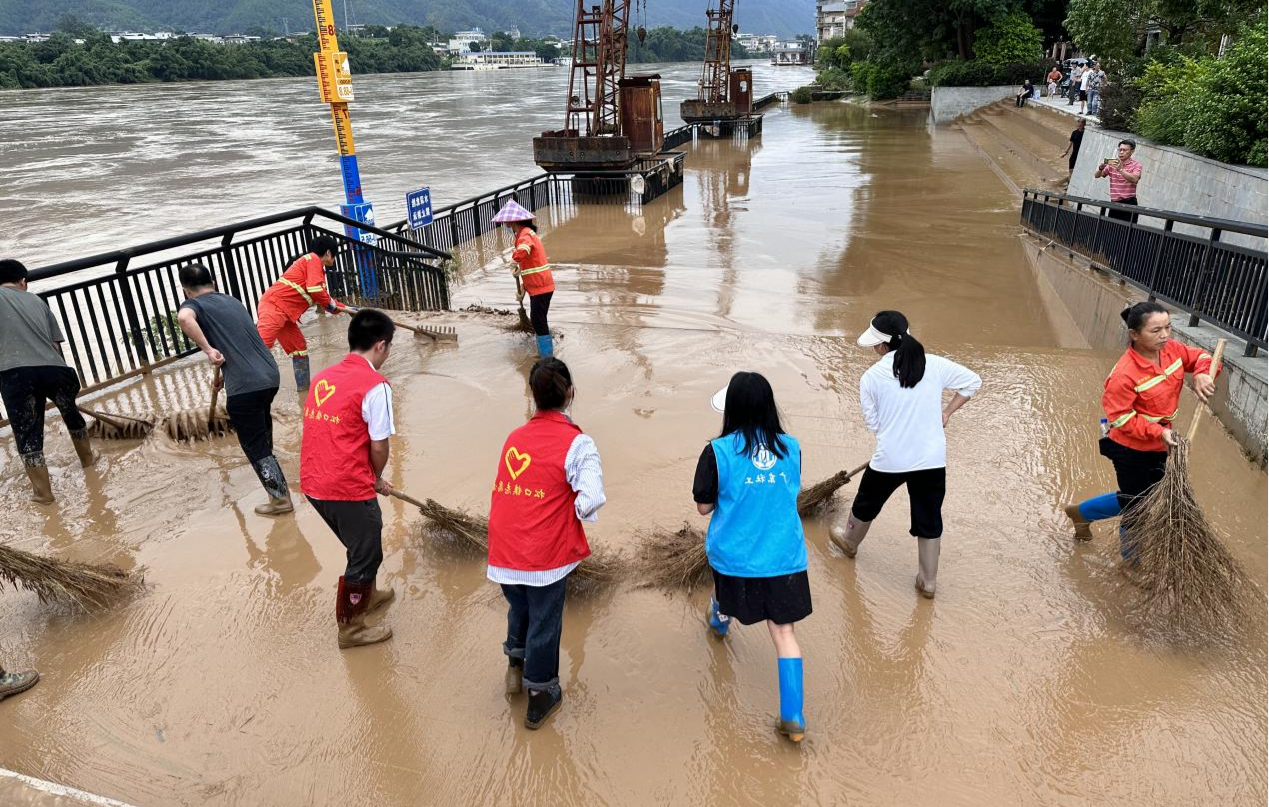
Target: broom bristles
821,492
84,585
1185,573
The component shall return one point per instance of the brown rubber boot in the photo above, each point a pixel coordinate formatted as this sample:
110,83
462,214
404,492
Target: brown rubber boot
1083,527
350,614
13,683
380,598
514,681
41,485
84,448
927,566
275,507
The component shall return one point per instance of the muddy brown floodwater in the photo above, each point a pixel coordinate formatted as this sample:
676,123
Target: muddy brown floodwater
1024,683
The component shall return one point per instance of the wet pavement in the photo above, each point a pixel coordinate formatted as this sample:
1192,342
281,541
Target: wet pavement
1027,681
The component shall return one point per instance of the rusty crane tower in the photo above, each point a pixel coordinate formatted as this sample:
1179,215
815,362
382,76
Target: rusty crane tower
724,97
610,122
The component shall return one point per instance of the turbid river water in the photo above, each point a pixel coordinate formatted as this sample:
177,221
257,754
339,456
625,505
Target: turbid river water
1026,682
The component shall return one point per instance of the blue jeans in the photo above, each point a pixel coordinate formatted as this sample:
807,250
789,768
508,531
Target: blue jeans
535,620
1094,101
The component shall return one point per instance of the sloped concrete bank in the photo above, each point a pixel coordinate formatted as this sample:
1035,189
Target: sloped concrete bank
1084,302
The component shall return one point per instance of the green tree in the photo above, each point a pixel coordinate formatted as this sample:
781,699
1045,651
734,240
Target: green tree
1116,29
1009,40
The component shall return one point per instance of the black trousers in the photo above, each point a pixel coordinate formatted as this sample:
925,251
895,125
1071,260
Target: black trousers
359,527
25,392
251,414
539,304
1123,215
926,489
1136,472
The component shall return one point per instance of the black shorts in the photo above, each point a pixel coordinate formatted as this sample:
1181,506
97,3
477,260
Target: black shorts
783,600
926,489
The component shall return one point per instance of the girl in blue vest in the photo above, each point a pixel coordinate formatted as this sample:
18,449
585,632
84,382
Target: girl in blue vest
748,479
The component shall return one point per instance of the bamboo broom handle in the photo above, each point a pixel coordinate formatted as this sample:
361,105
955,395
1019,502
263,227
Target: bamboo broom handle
353,309
1217,355
408,498
116,421
852,474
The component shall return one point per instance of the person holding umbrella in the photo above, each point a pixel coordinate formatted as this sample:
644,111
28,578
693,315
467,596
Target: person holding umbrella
533,270
1141,399
747,481
902,401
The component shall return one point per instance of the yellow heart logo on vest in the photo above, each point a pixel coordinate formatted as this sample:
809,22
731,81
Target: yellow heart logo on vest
323,391
512,458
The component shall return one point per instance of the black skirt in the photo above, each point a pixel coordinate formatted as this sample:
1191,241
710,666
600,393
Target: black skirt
783,600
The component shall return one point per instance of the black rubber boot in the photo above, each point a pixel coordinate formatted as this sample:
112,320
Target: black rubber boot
542,704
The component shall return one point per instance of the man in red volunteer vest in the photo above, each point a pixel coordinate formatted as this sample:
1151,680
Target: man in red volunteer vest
347,423
549,481
302,286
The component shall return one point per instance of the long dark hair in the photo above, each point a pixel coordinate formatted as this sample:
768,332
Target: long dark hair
751,410
909,354
550,380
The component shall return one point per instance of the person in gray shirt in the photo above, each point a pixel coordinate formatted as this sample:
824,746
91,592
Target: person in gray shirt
32,373
224,331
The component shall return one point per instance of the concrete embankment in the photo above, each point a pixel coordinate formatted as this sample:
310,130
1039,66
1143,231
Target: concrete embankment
1084,302
1023,146
949,103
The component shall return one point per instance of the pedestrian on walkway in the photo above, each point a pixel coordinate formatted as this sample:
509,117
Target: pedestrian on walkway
549,480
747,481
1096,81
1124,174
1055,75
33,372
14,683
223,330
1141,399
1073,86
902,401
1085,78
302,286
1028,90
533,269
344,451
1073,147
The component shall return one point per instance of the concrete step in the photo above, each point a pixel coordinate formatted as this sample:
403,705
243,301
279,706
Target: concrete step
1037,152
1054,128
1006,164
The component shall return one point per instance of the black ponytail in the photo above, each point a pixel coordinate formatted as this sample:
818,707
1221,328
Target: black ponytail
1135,316
909,354
550,381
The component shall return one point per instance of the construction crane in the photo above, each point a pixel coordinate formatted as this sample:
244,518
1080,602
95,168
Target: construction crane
610,120
722,95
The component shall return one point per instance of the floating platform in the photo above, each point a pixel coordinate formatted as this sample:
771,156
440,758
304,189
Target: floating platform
641,182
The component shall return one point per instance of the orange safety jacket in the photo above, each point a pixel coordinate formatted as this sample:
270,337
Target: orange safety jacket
1142,398
303,284
535,267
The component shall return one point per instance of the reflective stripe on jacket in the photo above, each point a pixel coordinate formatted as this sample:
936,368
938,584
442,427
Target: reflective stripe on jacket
535,267
1142,398
302,285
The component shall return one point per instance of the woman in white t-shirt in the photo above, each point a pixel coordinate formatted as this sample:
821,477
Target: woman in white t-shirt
902,401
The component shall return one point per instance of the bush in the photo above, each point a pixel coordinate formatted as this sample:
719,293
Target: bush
1118,106
802,95
835,79
978,73
1011,40
880,82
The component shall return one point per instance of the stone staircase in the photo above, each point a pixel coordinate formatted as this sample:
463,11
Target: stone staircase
1023,146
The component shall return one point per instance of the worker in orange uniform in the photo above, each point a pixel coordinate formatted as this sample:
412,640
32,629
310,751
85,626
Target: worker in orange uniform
1142,397
301,286
533,268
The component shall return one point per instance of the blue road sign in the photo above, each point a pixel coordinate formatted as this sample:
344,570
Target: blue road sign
418,207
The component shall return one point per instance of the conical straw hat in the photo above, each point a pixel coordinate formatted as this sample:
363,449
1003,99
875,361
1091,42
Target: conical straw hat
512,212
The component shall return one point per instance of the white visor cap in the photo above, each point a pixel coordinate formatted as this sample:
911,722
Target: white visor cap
719,401
872,337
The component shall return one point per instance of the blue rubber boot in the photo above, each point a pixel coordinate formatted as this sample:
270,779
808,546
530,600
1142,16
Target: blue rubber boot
792,724
300,365
1127,547
719,623
545,349
1082,515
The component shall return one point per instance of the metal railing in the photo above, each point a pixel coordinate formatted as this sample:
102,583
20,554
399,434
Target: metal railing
118,313
677,137
770,98
1195,271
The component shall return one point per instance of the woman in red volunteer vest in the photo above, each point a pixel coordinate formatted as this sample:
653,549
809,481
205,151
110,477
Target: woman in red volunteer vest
533,268
347,423
549,481
1143,393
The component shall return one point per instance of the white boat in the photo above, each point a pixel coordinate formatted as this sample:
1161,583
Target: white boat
498,60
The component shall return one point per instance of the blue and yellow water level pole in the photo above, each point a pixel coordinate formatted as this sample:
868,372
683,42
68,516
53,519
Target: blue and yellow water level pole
334,82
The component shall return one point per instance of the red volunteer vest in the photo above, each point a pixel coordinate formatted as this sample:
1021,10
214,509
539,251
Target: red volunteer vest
335,450
533,525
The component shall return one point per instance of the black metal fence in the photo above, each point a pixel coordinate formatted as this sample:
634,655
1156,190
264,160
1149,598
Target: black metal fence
118,310
769,99
677,137
1195,271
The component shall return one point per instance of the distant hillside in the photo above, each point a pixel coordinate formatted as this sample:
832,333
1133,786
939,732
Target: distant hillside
532,17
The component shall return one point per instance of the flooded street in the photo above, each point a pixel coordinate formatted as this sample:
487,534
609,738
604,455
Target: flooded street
1026,682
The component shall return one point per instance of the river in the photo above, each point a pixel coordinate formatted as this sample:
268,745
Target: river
1026,682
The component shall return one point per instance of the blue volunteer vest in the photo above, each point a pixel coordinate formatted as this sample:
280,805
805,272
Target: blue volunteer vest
755,530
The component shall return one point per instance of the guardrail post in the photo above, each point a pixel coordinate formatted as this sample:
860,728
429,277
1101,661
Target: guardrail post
130,309
231,266
1158,256
1205,269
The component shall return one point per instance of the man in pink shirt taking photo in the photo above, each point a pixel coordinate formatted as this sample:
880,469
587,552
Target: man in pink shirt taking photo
1124,173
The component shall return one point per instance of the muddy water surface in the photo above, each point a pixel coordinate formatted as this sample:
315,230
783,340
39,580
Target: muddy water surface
1025,682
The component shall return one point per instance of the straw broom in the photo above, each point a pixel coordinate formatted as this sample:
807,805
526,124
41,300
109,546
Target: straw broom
84,585
200,424
600,568
676,561
1179,561
111,426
